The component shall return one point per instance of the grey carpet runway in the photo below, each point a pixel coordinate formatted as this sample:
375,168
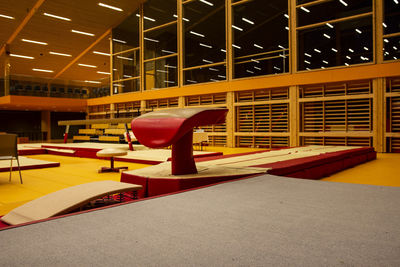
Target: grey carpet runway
261,221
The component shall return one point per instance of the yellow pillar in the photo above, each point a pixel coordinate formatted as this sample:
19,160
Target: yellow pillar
379,123
294,116
230,119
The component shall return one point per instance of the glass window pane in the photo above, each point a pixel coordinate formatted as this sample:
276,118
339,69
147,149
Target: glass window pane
392,48
161,73
160,42
391,17
204,32
255,52
126,35
207,74
127,86
158,12
126,65
348,42
332,10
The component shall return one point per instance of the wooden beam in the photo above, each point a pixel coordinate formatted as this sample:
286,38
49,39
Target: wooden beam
22,25
108,32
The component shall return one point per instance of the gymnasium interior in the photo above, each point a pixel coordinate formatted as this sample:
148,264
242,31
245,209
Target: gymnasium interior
200,132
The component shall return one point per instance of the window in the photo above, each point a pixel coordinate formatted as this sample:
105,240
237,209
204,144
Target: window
391,30
204,41
334,33
260,38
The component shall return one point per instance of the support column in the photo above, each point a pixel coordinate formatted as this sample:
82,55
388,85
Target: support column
378,30
292,36
294,116
46,125
379,123
230,119
7,69
181,102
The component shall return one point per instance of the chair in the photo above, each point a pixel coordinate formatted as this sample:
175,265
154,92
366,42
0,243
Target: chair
9,150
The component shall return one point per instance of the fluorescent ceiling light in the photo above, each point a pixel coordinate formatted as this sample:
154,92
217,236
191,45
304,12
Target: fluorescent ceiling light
33,42
7,17
276,68
351,50
119,41
222,76
110,7
191,81
169,66
21,56
163,71
248,21
207,61
365,48
169,81
127,76
86,65
256,61
42,70
83,33
249,71
137,15
305,9
334,50
326,62
396,2
287,28
213,69
56,17
102,72
207,3
60,54
214,80
185,19
126,58
236,46
329,25
281,47
223,50
384,24
258,46
101,53
151,40
257,68
308,62
327,36
92,82
358,31
386,40
348,57
343,2
167,51
286,16
347,64
316,50
237,28
198,34
204,45
308,55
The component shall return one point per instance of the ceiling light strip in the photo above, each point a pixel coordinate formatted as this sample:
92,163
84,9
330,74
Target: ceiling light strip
56,17
83,33
21,56
42,70
87,65
33,42
6,17
60,54
110,7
